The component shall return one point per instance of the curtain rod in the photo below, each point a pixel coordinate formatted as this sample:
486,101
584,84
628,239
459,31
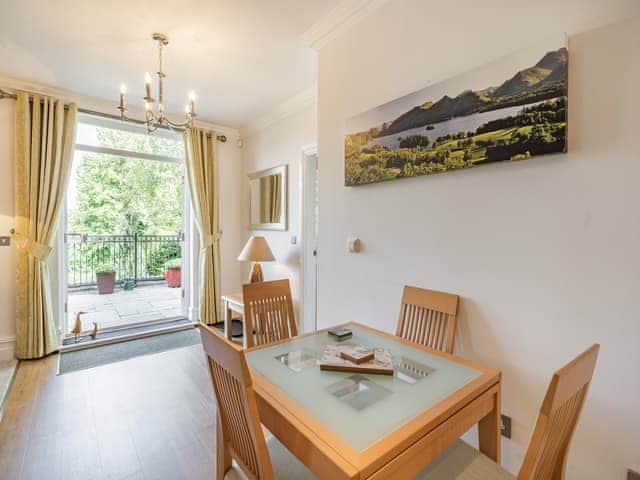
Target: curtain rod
4,94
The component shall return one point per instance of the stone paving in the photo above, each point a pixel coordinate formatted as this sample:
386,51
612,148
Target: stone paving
142,304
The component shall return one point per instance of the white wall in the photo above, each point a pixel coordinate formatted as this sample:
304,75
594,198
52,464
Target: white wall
7,255
544,253
277,144
230,183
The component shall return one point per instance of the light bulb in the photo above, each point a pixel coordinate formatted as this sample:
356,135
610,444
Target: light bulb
192,96
147,106
123,89
147,86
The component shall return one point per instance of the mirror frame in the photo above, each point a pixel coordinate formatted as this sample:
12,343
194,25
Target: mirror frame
279,170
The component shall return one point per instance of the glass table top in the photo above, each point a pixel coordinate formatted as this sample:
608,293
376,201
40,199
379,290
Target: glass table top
361,408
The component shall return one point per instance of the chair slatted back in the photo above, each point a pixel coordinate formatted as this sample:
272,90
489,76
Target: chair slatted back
242,434
428,317
268,312
546,455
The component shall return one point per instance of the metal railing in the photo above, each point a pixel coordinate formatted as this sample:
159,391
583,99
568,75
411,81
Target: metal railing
133,257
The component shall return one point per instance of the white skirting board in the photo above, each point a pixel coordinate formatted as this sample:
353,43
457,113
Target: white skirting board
7,373
7,348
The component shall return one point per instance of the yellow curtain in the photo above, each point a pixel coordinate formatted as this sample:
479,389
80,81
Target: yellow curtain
45,133
270,199
265,200
202,174
275,198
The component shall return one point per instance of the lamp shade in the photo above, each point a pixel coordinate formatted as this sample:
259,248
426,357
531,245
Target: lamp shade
256,250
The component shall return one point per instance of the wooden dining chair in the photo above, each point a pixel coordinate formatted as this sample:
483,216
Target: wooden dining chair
239,433
546,457
428,317
268,312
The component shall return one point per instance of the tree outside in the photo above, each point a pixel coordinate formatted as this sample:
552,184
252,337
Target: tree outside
126,197
123,196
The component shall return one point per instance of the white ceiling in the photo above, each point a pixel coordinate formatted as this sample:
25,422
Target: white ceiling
242,57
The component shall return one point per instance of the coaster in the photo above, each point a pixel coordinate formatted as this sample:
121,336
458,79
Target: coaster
340,333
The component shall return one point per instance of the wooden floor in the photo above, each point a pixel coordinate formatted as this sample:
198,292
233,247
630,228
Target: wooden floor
150,417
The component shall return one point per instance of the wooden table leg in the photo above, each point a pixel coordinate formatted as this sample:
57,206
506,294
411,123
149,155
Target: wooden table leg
244,333
489,430
228,321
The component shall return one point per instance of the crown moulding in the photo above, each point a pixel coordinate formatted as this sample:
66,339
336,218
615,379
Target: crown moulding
299,102
340,19
101,105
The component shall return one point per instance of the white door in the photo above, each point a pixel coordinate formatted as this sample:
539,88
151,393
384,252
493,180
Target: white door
309,237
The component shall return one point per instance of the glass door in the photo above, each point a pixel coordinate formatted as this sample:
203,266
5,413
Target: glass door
124,229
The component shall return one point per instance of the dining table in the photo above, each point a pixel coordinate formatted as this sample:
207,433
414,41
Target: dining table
361,425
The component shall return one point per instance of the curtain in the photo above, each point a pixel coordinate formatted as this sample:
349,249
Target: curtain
275,198
202,175
270,199
45,132
265,200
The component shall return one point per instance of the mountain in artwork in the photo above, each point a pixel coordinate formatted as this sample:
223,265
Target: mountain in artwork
544,80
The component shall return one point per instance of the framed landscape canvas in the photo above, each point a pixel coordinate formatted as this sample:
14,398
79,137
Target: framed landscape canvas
508,110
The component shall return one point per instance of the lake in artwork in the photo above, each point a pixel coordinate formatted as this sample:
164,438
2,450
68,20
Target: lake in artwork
509,110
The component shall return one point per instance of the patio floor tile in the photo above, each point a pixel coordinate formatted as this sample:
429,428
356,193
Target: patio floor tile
142,304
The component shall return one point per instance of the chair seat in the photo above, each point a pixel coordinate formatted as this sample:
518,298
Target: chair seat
285,465
463,462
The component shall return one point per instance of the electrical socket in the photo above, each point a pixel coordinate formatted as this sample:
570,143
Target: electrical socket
505,426
5,241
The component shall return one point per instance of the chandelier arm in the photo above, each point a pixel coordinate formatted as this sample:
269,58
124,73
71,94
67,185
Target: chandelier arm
173,125
161,76
154,120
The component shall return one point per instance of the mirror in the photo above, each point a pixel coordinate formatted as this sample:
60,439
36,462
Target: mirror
268,201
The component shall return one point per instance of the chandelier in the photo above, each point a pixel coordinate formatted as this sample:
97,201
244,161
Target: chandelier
155,119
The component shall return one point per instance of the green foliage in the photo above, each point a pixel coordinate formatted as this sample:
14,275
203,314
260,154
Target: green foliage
415,141
552,111
521,156
157,259
105,268
173,263
117,195
536,130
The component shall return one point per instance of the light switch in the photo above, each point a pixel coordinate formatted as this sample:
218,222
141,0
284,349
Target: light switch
5,241
354,245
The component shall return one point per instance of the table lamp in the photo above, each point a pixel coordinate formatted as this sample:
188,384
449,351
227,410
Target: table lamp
256,250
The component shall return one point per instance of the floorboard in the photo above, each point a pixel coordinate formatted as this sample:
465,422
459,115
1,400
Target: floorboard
150,417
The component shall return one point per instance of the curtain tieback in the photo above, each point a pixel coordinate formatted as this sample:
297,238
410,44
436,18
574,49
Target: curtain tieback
210,239
37,250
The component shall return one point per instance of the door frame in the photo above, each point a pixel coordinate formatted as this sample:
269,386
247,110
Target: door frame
187,225
307,242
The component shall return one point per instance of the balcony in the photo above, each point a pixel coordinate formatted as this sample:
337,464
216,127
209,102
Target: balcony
140,294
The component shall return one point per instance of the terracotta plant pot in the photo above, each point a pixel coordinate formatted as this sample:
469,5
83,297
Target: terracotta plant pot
106,282
173,277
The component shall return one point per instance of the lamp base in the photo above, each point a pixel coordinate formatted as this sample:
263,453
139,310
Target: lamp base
256,273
